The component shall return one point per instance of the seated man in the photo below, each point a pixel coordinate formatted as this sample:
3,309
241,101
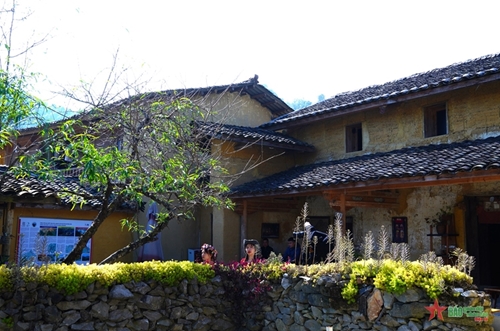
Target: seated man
292,252
265,249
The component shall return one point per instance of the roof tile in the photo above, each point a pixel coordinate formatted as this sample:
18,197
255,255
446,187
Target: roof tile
452,158
454,73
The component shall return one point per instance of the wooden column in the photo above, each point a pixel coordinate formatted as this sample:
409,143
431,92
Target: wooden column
7,228
343,210
243,227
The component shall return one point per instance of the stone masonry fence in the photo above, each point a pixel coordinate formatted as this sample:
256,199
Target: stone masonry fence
292,304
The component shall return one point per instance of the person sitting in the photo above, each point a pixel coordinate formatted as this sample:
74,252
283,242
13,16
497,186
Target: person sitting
208,254
151,251
315,252
265,248
311,230
292,252
252,251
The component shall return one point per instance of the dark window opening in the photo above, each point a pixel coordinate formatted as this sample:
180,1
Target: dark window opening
353,138
435,120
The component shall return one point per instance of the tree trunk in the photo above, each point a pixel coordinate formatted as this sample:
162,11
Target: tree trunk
106,210
136,244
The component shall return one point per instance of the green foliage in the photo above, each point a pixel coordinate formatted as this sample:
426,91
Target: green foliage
388,275
245,283
16,104
18,109
398,276
145,148
8,321
6,277
273,267
391,271
74,278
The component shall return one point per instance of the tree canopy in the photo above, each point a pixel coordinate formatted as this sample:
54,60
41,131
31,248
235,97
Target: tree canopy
146,146
133,151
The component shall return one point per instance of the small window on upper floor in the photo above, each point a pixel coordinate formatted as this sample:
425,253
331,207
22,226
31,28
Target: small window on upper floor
353,138
119,143
435,120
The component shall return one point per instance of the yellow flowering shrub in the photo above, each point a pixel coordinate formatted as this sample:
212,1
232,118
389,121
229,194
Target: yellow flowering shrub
74,278
388,275
5,277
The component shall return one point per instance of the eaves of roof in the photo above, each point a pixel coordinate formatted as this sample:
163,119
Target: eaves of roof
412,164
250,87
455,76
248,135
34,190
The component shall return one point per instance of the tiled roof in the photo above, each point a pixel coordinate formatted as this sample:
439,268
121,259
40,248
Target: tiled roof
251,87
253,135
453,158
447,76
32,188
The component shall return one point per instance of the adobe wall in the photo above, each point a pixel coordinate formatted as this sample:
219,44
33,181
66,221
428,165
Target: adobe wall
228,108
472,113
226,224
236,109
109,237
422,203
295,304
371,219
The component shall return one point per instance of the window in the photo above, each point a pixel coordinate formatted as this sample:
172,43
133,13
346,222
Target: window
435,120
353,138
119,143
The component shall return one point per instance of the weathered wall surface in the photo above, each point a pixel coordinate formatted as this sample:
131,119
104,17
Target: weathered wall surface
294,304
420,203
227,108
109,237
472,113
233,108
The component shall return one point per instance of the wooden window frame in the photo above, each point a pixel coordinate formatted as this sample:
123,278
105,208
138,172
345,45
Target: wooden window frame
354,138
436,120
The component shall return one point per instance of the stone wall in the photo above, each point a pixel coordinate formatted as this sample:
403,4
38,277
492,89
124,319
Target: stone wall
294,305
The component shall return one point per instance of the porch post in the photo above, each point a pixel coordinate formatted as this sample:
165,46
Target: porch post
8,222
243,228
342,210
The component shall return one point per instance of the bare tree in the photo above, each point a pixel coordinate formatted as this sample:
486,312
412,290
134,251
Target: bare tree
16,49
155,146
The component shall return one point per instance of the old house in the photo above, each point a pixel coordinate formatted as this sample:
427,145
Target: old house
398,154
39,224
237,109
32,201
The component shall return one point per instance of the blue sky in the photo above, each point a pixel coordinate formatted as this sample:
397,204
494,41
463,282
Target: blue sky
299,49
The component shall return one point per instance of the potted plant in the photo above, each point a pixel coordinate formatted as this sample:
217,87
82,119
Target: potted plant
441,220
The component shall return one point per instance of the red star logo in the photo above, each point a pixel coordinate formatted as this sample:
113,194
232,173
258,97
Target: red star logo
435,308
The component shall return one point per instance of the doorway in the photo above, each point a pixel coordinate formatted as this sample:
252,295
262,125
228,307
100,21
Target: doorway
482,238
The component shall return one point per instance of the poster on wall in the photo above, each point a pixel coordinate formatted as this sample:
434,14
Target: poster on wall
399,230
46,240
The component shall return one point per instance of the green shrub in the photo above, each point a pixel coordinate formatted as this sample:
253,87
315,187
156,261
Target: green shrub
74,278
388,275
247,281
6,281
